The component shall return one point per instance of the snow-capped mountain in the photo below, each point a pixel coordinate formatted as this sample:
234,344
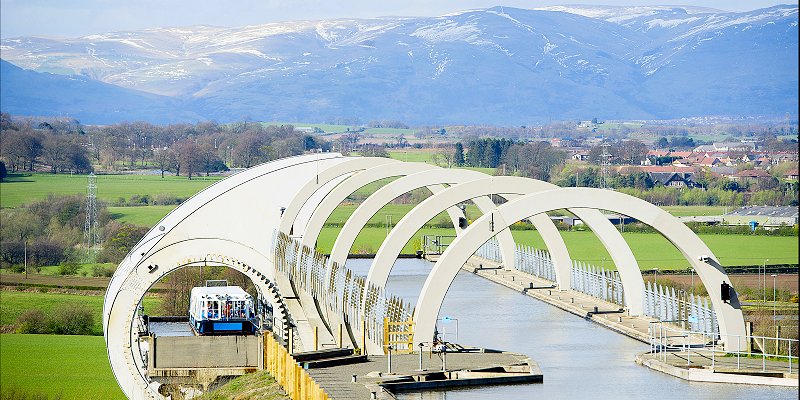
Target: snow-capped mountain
499,65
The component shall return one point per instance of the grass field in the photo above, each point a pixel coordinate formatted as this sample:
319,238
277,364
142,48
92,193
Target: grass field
413,155
75,367
14,303
18,189
144,216
650,249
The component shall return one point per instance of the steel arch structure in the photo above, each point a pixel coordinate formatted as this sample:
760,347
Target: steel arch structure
216,221
511,188
233,221
711,273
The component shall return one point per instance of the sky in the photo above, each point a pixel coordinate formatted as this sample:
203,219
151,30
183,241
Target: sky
74,18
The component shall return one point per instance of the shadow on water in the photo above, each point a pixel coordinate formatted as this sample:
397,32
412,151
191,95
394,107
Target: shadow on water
579,359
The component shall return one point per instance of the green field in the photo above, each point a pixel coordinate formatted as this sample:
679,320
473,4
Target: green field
75,367
18,189
144,215
650,249
413,155
14,303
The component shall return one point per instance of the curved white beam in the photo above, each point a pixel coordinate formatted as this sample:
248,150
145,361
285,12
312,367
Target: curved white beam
222,219
711,273
392,190
346,188
510,187
321,179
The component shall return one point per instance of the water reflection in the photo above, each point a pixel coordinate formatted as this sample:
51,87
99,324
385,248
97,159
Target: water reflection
579,359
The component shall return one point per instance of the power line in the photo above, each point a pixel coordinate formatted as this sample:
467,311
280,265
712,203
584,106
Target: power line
605,159
91,234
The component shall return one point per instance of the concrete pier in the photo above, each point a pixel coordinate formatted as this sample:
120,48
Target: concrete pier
359,381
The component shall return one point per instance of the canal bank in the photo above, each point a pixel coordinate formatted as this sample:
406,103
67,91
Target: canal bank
698,368
579,358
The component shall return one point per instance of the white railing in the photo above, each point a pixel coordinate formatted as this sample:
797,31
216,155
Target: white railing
535,262
490,251
700,348
661,302
338,288
667,304
597,282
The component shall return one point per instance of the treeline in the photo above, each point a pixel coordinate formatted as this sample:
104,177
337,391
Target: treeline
185,149
713,189
531,159
50,232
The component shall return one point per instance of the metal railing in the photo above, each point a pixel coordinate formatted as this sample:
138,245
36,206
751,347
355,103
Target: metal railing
597,282
661,302
705,349
339,289
690,311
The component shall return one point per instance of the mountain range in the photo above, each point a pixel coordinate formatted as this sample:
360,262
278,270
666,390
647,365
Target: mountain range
501,65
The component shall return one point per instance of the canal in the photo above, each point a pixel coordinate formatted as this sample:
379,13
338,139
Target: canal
579,359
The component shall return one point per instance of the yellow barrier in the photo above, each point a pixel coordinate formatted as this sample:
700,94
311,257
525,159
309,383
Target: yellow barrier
296,382
399,335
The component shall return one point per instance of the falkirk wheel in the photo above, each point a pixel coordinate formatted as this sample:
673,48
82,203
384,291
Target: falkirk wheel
234,222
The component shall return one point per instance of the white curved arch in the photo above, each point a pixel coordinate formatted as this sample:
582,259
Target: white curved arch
231,217
321,179
346,188
390,191
729,314
511,187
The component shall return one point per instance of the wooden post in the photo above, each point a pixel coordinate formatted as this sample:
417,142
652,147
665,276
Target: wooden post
316,338
363,337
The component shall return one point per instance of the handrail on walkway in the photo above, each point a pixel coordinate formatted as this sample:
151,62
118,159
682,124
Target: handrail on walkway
666,339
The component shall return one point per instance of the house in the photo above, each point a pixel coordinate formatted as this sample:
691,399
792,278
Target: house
750,176
790,175
678,180
680,154
708,162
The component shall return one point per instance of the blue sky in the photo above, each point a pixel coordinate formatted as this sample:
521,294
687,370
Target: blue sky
81,17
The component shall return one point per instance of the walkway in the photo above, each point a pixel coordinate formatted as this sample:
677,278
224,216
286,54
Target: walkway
337,381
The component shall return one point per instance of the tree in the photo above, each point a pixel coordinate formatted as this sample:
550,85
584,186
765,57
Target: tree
3,172
188,156
54,152
165,159
22,148
458,156
662,143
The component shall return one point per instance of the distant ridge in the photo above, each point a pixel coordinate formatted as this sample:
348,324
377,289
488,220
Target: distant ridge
500,65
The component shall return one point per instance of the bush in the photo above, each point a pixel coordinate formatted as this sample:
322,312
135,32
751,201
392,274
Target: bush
103,271
68,268
167,200
71,319
32,321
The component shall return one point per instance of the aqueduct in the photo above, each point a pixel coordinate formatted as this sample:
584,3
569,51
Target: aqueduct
235,222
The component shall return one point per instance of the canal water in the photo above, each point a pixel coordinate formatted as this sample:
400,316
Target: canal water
579,359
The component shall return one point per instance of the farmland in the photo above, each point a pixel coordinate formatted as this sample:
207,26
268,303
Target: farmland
14,303
74,367
650,249
19,189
